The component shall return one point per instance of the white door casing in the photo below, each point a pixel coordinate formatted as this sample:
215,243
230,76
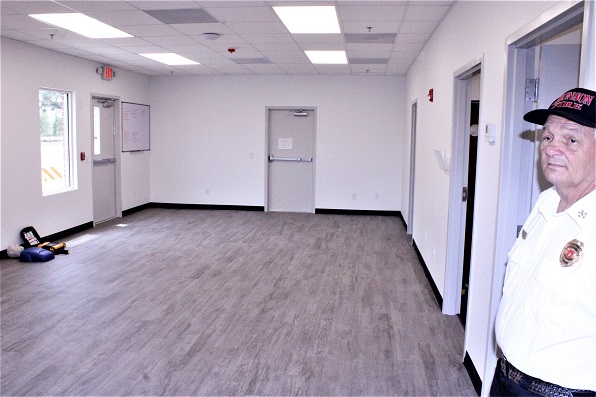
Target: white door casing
104,160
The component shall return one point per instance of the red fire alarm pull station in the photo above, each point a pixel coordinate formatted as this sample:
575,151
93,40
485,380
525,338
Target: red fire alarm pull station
82,156
430,95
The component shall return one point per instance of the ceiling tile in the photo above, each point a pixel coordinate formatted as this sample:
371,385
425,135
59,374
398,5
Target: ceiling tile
418,26
251,27
426,13
243,14
261,27
151,30
372,13
200,28
171,40
127,42
124,18
96,5
20,22
34,7
376,26
411,38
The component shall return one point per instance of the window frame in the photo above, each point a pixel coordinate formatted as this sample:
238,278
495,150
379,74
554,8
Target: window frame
69,134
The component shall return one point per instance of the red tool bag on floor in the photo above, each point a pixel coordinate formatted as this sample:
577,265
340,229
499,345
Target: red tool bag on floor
31,239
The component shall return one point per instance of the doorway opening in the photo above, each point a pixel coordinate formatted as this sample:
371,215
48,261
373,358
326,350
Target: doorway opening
466,121
529,61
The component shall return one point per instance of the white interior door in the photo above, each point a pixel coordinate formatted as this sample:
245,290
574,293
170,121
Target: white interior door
291,160
104,161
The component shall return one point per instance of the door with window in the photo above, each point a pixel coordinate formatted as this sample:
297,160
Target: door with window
104,160
291,160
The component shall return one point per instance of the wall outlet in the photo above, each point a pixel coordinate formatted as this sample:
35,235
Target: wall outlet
207,192
353,196
434,252
377,196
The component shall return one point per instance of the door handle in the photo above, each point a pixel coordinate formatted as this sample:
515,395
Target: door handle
296,159
101,161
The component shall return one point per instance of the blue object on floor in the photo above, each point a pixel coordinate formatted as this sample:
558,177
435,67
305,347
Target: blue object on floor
35,254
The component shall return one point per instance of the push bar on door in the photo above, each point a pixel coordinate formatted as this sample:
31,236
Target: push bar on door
101,161
299,159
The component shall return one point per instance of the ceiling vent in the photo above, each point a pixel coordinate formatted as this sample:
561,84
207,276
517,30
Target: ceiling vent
251,61
365,38
189,15
369,61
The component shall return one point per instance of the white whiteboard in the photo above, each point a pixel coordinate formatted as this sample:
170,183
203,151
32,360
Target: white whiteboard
135,127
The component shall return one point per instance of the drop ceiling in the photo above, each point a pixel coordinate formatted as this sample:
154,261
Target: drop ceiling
379,37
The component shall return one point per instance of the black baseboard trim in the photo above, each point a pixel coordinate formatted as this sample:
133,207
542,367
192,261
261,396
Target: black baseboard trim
403,221
57,237
332,211
132,210
68,232
178,206
433,286
473,374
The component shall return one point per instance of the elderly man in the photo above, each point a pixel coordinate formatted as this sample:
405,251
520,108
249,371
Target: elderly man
546,322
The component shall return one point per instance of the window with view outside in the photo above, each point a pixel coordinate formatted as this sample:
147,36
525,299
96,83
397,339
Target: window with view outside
55,137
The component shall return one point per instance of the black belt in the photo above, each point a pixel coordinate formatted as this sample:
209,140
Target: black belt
539,386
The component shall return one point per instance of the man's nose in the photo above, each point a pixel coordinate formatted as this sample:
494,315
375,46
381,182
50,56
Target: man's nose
553,148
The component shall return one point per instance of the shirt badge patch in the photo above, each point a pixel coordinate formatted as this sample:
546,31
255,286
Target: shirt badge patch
572,252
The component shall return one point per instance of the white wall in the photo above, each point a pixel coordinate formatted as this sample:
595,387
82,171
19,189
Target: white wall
215,128
25,69
471,30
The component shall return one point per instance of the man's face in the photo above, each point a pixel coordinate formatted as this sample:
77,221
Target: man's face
568,154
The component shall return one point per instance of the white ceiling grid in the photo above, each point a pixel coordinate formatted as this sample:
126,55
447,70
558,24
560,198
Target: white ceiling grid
263,45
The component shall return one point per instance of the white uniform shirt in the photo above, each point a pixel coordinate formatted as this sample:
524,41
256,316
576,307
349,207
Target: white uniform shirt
546,322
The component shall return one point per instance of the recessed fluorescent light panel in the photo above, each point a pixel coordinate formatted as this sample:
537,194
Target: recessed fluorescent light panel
170,58
327,57
81,24
309,19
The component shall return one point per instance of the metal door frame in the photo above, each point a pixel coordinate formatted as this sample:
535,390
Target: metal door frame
456,225
511,195
413,130
117,149
268,110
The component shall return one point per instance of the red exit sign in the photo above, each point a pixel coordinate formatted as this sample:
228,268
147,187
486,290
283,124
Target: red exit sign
107,73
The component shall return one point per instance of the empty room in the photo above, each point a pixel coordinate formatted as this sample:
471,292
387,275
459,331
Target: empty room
254,206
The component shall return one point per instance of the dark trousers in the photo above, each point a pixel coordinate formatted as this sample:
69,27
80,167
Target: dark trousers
503,386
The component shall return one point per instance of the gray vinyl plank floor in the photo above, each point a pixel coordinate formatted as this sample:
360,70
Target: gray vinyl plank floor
199,302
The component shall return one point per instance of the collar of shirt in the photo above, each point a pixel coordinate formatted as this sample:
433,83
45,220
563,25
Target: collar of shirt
582,212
